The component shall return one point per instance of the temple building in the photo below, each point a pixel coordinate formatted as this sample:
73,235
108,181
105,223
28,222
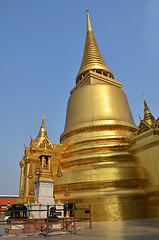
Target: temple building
107,161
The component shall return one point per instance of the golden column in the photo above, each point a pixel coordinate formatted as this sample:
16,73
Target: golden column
22,164
26,196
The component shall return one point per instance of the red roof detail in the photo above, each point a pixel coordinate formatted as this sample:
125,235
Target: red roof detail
4,201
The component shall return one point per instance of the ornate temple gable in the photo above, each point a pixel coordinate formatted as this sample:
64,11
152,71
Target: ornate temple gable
46,144
38,146
35,148
143,127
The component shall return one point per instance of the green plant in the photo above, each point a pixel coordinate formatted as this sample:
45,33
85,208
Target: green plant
7,213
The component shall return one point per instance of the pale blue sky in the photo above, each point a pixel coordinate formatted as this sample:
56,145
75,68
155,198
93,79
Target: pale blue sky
41,48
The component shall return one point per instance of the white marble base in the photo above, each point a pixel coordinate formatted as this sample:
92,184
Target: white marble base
44,191
39,207
43,214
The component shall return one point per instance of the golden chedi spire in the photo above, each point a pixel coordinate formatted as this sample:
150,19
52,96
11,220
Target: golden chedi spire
97,165
148,117
92,58
42,133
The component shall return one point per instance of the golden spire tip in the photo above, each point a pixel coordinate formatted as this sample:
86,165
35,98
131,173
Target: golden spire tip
89,27
92,59
43,125
143,96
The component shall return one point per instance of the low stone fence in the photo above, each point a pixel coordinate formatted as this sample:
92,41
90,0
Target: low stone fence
54,221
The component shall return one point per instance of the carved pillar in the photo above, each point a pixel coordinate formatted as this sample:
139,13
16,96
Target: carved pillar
43,161
49,165
21,178
27,181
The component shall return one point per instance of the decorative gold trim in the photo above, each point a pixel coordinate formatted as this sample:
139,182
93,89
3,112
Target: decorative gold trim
97,76
96,128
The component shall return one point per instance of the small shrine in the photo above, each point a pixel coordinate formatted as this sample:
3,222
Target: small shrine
39,166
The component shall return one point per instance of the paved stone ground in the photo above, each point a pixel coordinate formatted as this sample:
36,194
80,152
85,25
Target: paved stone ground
146,229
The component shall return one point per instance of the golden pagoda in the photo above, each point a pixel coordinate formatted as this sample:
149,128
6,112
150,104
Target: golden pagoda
97,164
40,161
106,160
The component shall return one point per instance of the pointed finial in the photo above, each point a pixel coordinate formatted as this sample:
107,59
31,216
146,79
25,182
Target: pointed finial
148,117
43,124
143,96
31,138
92,58
145,104
42,133
89,27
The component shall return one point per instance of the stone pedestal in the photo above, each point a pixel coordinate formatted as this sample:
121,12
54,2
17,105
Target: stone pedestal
44,194
41,210
44,191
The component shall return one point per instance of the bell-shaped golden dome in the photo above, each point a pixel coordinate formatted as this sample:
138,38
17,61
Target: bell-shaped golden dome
92,58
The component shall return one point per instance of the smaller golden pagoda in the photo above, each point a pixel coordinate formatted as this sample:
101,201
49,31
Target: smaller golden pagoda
40,161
